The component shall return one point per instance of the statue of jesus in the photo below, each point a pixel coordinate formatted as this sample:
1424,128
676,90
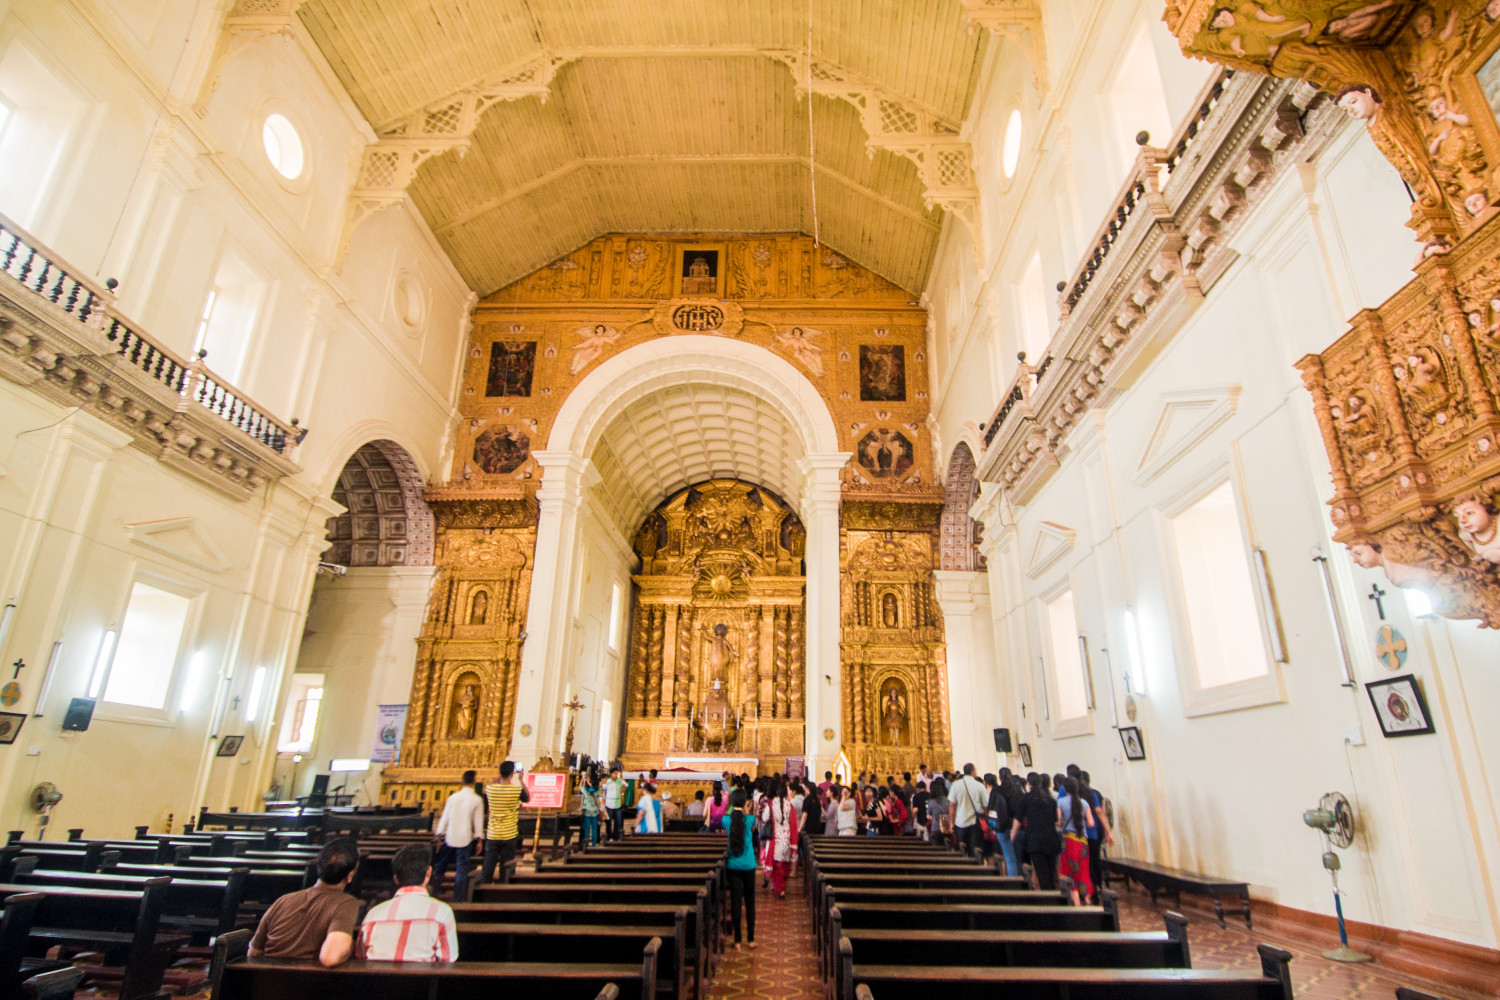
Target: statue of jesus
721,656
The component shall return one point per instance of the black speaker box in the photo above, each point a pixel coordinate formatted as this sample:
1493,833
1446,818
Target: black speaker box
80,713
1002,740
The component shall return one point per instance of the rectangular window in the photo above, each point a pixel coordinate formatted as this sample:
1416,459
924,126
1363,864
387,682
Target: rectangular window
1067,665
299,723
145,656
1218,591
606,710
1136,100
1032,296
615,613
231,312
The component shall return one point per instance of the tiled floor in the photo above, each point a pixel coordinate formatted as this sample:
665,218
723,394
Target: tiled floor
784,966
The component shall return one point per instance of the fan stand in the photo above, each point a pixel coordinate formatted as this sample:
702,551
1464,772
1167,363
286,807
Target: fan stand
1343,953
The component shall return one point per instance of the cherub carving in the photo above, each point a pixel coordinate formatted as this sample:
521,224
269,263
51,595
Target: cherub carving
798,342
594,340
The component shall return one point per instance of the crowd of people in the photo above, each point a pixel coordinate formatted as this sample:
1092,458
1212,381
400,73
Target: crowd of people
1055,823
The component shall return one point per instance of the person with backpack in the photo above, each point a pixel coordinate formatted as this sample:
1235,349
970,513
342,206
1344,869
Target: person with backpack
997,822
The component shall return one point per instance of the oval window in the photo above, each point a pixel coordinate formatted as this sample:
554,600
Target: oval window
283,146
409,300
1011,155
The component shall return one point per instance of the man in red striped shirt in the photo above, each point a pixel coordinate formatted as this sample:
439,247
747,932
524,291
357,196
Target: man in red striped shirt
412,926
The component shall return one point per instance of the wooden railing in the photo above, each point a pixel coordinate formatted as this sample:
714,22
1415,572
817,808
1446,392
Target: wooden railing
44,274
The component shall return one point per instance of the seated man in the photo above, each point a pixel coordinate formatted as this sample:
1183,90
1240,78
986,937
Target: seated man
669,809
411,926
316,922
695,807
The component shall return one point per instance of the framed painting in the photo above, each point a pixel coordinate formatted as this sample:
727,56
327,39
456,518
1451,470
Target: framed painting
1135,747
1400,707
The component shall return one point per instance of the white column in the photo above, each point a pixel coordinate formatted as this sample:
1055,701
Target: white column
821,491
964,596
549,612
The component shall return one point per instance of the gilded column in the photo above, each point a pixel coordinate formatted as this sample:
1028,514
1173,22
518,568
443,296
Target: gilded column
653,688
783,615
1456,326
686,624
640,633
750,667
670,668
768,658
796,666
1385,382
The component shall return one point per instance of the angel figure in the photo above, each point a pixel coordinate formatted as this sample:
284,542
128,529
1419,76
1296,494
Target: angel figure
594,340
798,341
1477,527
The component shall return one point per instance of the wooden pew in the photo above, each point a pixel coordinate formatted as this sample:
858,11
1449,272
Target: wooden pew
894,982
261,887
820,883
1161,880
698,948
57,984
201,908
124,925
16,918
280,979
61,859
1066,949
609,943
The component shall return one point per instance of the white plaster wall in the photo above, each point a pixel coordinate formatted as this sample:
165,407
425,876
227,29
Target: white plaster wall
154,177
1224,791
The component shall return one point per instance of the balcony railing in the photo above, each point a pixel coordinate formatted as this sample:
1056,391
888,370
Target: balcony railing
1161,246
41,272
66,326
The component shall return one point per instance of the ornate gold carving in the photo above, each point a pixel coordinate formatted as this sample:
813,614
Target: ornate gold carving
722,657
1406,405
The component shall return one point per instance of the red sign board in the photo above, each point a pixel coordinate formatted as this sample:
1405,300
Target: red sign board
547,789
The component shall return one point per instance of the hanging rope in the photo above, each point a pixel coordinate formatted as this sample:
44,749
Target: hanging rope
812,165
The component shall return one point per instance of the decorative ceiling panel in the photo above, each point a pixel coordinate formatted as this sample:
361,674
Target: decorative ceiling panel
686,434
659,116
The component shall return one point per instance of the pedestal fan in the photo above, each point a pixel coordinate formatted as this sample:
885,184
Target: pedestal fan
1334,819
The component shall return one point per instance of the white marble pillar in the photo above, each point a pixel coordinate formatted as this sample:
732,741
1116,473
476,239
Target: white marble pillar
964,596
821,491
549,610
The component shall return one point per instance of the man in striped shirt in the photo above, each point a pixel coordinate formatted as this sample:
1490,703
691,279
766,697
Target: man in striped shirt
411,926
502,837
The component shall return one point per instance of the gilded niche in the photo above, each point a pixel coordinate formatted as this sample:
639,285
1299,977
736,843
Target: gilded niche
717,649
895,705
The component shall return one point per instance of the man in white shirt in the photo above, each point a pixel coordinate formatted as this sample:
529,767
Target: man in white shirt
461,824
967,799
695,807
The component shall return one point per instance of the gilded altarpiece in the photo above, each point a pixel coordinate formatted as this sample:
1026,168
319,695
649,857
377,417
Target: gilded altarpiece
1407,400
462,704
717,644
894,657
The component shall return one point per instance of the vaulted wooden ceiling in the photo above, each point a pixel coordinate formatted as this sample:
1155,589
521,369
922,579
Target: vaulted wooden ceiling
576,118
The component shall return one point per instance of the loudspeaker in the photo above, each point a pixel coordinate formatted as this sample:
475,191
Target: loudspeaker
1002,740
80,713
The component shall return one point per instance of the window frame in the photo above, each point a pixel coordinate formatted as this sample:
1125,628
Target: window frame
1253,692
1061,728
168,714
304,180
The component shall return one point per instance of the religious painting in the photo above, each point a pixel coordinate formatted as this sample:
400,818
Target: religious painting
512,363
1135,747
885,454
1025,751
700,272
230,746
1400,707
10,726
502,449
882,373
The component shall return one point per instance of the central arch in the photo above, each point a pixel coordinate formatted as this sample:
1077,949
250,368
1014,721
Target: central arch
809,479
688,358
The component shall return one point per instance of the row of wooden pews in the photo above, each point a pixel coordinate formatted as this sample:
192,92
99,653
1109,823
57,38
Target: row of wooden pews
640,917
899,919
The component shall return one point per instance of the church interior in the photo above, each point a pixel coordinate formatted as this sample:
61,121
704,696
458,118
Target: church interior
777,387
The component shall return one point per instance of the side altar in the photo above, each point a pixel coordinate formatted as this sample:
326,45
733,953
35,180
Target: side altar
717,646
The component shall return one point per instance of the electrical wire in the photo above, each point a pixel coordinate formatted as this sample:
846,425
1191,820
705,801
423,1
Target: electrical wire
812,165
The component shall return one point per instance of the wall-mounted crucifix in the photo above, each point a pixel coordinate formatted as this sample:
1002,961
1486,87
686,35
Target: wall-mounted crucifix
1375,595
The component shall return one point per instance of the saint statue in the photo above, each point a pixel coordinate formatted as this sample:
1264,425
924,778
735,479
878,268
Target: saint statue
465,715
479,608
722,656
894,713
890,617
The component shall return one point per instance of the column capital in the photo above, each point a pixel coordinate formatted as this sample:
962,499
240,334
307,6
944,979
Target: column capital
565,475
822,469
991,509
958,591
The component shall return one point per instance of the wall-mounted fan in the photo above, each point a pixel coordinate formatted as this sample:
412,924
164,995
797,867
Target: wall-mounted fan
43,797
1334,819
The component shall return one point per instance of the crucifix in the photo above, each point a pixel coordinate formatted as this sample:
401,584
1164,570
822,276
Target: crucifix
572,706
1375,595
20,665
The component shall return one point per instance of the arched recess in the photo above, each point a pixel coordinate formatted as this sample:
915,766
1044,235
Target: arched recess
386,523
688,358
961,534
